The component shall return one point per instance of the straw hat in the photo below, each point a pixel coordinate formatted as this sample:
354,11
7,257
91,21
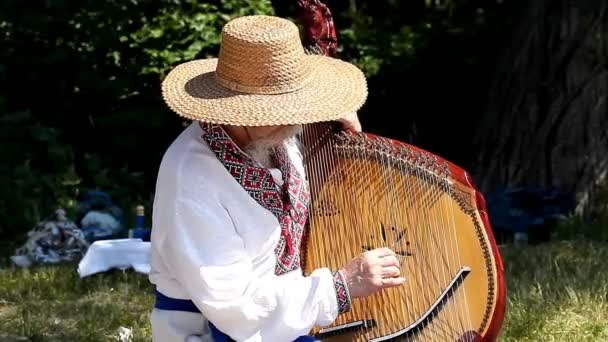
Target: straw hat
263,77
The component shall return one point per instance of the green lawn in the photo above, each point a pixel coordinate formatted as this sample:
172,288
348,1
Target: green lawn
556,292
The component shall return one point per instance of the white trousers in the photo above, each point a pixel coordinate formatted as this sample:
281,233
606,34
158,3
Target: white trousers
179,326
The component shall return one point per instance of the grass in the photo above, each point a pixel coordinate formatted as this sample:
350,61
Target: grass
54,304
556,292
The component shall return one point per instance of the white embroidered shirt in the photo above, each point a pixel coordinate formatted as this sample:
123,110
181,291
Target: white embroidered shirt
214,244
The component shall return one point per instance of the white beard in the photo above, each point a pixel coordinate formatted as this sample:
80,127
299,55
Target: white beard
260,150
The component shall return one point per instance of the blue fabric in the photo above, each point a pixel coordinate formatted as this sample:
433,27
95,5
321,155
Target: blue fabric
101,202
167,303
306,339
531,210
217,335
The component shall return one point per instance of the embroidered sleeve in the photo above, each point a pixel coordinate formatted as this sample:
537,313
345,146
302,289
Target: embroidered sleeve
342,295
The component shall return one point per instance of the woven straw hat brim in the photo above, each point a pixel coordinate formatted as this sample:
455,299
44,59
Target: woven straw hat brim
335,90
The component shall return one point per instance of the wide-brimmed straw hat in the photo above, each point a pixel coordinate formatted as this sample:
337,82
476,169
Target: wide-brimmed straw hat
263,76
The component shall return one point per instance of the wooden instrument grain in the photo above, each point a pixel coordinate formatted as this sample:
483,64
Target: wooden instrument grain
369,192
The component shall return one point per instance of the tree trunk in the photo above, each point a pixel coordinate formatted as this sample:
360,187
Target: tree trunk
547,119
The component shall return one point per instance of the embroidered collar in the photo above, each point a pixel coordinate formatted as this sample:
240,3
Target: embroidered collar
289,202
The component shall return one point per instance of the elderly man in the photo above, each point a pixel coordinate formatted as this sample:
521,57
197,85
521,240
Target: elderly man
226,240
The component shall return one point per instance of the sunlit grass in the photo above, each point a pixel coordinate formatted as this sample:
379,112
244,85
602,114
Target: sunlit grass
54,304
556,292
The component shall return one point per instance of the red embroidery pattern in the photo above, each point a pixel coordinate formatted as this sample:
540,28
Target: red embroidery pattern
342,294
288,203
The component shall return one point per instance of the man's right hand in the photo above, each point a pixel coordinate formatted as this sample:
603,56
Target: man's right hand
372,271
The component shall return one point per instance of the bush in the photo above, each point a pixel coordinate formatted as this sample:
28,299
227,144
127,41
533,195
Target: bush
36,171
80,107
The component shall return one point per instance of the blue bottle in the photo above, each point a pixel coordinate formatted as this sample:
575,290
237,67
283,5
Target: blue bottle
140,232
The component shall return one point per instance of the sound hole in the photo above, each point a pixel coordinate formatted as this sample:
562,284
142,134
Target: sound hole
393,238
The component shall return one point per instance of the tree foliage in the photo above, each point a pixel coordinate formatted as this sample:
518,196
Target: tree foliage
86,74
79,96
80,104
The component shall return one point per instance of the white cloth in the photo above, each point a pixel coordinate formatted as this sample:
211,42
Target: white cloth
104,255
214,244
179,326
